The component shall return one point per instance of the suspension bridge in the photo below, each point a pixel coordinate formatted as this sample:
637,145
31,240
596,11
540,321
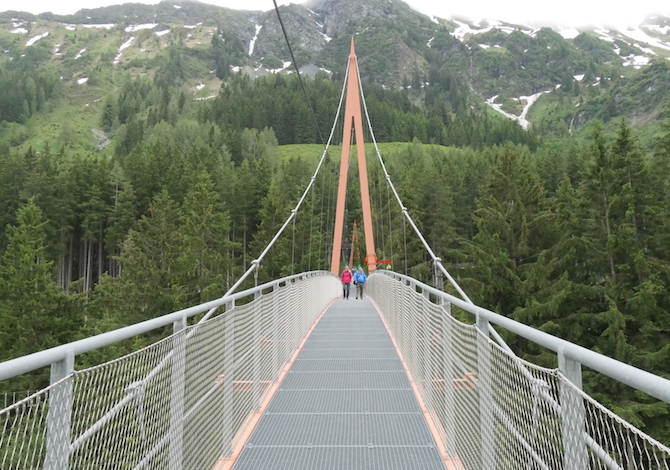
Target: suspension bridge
291,375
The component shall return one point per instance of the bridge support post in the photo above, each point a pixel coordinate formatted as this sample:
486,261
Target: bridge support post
256,360
575,456
59,416
277,333
438,277
486,412
256,378
353,125
177,385
449,376
228,364
257,294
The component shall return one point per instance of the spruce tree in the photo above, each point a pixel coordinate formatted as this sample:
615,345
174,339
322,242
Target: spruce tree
205,266
35,314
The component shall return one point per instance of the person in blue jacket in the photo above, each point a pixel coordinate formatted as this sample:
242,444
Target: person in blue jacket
359,280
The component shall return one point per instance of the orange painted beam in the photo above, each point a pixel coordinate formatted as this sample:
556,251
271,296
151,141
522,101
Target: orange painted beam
341,197
353,121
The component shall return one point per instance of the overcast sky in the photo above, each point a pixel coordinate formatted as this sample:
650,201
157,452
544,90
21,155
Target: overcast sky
567,12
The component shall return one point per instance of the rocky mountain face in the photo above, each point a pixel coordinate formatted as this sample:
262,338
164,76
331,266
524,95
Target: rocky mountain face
556,79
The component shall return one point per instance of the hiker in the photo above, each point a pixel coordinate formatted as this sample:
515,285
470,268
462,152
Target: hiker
345,277
359,280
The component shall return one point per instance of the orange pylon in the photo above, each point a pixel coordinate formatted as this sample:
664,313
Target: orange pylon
354,246
353,120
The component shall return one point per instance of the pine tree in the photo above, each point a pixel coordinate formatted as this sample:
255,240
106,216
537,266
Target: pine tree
149,264
204,259
122,216
514,223
35,314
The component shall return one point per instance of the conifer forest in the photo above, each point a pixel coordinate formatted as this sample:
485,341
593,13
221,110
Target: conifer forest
568,234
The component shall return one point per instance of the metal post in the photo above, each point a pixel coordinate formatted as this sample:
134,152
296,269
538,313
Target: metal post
438,276
425,356
228,364
256,263
60,413
449,374
486,415
178,383
575,455
276,333
257,317
425,294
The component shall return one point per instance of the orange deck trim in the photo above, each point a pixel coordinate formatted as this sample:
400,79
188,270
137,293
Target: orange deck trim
452,463
243,435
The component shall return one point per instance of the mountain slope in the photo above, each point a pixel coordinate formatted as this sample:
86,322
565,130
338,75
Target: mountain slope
557,80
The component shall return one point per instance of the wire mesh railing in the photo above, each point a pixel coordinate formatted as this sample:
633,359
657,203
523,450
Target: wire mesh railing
179,403
495,410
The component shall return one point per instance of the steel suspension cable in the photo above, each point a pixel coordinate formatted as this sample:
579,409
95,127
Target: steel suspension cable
436,261
321,229
293,249
256,263
404,234
297,70
388,203
311,226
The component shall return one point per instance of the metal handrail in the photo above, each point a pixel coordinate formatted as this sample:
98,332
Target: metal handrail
30,362
641,380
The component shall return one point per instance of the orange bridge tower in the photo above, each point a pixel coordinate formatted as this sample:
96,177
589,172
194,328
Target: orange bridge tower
353,124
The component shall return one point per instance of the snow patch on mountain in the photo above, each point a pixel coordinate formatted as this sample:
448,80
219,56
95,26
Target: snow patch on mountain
253,40
140,27
34,39
521,119
99,26
569,33
636,61
123,46
638,35
465,30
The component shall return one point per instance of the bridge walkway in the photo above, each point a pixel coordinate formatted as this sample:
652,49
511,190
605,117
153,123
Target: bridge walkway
346,402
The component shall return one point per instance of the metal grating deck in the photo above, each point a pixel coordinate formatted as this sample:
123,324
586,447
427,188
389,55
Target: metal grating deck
346,403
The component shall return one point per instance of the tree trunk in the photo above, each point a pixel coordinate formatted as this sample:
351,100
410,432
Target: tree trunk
101,260
609,232
89,265
68,275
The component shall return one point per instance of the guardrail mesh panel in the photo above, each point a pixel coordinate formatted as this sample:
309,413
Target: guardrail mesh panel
494,410
178,404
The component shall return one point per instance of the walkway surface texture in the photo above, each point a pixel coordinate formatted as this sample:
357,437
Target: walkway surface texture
346,403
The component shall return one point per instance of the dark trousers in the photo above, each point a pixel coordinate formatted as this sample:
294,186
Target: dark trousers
345,291
359,290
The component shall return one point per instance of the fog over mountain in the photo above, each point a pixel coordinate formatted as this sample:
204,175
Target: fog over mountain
567,13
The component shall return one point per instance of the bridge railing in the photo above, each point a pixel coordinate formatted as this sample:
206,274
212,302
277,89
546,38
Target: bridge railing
179,403
495,410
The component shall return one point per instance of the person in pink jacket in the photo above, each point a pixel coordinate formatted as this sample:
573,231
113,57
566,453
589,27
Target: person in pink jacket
345,277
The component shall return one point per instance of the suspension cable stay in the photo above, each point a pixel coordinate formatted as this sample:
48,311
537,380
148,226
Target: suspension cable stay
256,263
436,261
